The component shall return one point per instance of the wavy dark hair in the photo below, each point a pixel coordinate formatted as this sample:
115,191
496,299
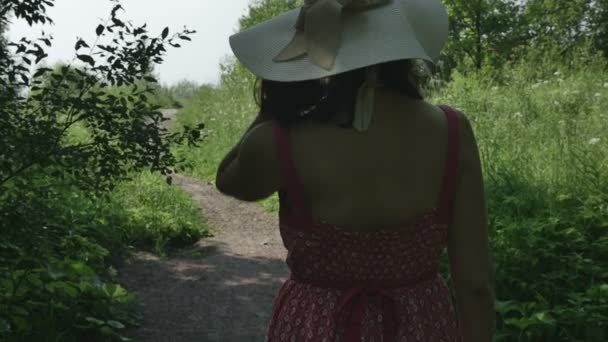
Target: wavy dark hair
291,103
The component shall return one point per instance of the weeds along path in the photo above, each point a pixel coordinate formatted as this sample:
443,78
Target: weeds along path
221,289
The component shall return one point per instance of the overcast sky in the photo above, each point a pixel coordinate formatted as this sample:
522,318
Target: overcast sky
214,21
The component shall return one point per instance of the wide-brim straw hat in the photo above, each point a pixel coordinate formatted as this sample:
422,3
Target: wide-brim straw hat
329,37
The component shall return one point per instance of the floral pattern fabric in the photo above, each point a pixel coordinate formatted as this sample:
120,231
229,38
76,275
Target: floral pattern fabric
327,264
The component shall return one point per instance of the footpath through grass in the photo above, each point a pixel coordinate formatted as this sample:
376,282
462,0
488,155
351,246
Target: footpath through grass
542,135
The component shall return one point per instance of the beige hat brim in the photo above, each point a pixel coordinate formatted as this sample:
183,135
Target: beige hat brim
401,29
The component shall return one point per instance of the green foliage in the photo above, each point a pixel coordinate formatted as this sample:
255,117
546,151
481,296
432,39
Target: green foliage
57,242
262,10
495,32
52,272
68,136
482,31
175,96
182,92
545,156
105,96
157,214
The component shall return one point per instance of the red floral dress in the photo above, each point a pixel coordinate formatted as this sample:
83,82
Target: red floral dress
364,286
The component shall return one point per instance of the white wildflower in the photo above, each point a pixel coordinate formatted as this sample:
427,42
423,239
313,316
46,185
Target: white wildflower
597,95
536,85
557,73
545,82
518,115
494,88
606,85
594,141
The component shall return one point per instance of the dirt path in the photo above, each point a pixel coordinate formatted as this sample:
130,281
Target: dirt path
220,290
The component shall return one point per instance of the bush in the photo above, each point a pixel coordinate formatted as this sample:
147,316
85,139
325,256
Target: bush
58,242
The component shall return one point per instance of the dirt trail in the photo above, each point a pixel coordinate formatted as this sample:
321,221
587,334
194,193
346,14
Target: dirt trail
220,290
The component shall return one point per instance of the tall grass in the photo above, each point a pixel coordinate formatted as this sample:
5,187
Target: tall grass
541,130
157,216
545,156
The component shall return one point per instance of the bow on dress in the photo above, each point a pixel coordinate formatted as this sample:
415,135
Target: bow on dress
319,30
360,297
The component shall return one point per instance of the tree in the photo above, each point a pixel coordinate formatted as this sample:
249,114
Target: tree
262,10
124,129
599,25
563,23
482,31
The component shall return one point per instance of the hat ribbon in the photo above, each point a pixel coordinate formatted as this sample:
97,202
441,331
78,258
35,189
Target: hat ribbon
319,30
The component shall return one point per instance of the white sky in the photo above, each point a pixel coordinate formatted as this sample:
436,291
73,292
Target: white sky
198,60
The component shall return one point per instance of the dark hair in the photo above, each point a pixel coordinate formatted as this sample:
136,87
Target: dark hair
291,103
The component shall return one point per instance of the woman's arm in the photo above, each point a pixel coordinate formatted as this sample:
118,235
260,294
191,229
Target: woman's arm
468,246
250,171
233,153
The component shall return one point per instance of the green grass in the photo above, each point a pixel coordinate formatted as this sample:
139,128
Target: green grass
541,130
156,214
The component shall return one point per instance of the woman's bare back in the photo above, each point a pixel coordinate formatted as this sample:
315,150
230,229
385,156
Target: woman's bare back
383,177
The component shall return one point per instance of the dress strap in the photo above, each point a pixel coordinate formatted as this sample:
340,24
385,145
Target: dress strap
450,175
292,184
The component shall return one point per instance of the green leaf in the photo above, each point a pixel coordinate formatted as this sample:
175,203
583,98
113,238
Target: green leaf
114,291
544,317
34,280
94,320
107,331
41,72
82,269
54,272
165,33
87,59
521,323
80,44
116,324
99,30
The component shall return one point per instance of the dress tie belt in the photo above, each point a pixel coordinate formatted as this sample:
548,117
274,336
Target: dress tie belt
360,297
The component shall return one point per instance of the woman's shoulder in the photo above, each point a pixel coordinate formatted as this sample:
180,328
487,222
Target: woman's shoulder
467,140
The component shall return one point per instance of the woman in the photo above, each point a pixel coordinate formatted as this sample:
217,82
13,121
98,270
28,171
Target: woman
374,182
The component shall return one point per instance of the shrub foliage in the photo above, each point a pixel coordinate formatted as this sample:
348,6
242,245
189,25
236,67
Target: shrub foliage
68,136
